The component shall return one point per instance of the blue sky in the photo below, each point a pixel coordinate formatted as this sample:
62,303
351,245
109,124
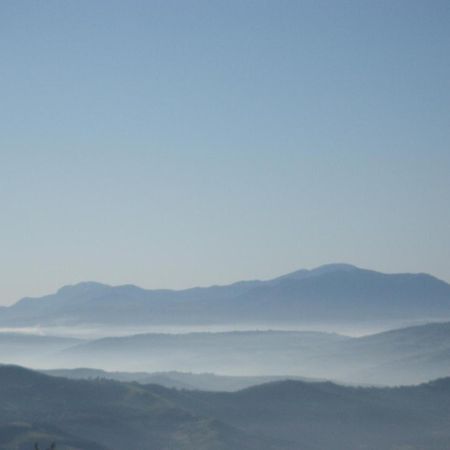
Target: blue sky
181,143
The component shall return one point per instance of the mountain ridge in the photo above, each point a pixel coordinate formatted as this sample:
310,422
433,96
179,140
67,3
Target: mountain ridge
296,274
407,355
336,292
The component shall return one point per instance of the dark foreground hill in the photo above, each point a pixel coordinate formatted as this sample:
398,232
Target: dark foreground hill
328,416
99,415
336,293
94,415
22,435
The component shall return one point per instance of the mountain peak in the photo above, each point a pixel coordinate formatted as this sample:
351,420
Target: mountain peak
334,267
327,268
83,287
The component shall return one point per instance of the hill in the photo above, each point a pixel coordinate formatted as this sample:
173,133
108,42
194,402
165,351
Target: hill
281,415
327,416
231,353
408,355
109,414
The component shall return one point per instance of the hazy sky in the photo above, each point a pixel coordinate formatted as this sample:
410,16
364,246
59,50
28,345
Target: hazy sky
180,143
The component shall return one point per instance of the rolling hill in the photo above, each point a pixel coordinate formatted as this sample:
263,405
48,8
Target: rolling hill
408,355
285,415
108,414
230,353
327,416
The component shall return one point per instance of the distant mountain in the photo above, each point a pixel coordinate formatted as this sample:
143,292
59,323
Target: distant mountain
31,349
408,355
232,353
404,356
329,294
283,415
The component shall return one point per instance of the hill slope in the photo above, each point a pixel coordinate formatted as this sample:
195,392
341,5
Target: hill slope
327,416
283,415
233,353
109,414
404,356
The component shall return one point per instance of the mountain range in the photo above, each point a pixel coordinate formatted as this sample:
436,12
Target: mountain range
407,355
335,293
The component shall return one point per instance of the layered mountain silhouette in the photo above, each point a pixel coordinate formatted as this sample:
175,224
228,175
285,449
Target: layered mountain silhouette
101,414
331,293
405,356
285,415
173,379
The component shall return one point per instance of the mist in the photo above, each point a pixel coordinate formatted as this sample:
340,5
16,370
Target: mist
223,225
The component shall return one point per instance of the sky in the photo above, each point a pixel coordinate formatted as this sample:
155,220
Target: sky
196,142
